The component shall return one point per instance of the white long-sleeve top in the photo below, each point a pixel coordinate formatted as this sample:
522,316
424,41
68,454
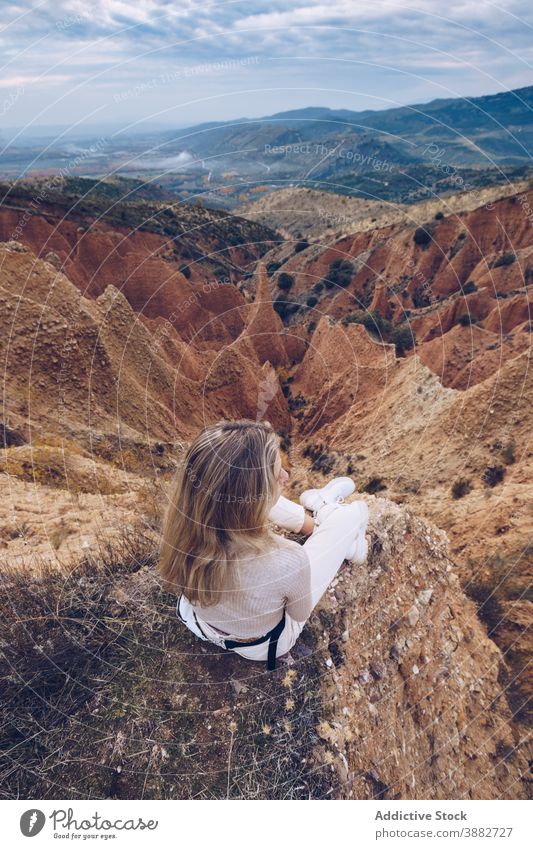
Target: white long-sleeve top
264,585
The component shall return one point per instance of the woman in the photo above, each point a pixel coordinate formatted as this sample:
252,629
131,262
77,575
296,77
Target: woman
242,586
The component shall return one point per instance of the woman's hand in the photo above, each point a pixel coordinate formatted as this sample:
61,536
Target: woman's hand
308,525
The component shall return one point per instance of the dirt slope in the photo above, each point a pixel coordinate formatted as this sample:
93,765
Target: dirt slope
313,214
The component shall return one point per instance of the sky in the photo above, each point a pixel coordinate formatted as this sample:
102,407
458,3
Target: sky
146,63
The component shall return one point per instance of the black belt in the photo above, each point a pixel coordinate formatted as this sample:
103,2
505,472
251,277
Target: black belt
272,636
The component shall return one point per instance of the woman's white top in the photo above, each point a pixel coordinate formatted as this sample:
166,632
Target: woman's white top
264,585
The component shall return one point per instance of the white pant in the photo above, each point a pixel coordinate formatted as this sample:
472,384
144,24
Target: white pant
337,527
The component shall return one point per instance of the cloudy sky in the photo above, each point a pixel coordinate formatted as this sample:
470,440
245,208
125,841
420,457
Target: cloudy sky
179,62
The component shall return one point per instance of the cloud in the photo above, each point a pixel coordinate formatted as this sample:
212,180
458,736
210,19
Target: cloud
403,51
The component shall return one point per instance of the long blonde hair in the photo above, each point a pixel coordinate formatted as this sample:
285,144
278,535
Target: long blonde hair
219,503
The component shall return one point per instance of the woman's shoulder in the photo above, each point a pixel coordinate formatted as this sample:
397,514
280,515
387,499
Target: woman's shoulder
280,556
292,552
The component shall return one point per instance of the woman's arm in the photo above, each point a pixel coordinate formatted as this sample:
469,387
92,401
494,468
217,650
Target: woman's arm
299,602
291,516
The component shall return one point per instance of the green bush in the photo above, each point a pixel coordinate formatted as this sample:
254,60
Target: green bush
469,287
466,319
420,297
403,338
460,488
312,301
372,321
301,246
493,475
285,308
322,460
506,258
374,485
439,216
318,287
340,272
422,236
285,281
353,318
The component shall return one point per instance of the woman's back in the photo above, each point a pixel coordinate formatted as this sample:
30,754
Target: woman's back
263,585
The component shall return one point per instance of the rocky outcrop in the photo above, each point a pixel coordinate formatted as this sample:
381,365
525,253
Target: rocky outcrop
380,301
398,695
263,325
419,693
91,386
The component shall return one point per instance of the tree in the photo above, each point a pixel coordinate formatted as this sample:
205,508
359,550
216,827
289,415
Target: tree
403,338
285,281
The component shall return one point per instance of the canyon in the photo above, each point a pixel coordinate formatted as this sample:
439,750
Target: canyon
396,351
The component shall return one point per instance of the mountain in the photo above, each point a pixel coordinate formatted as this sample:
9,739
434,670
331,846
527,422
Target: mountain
479,130
401,155
320,214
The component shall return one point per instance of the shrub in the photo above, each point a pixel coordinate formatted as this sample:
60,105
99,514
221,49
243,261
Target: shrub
466,319
403,338
460,488
375,323
374,485
272,267
493,475
285,441
469,287
301,246
285,281
297,403
439,216
422,236
353,318
285,308
312,301
318,287
506,258
186,271
340,272
420,298
372,321
322,460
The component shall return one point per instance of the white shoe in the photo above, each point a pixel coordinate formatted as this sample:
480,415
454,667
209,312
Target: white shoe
358,551
333,492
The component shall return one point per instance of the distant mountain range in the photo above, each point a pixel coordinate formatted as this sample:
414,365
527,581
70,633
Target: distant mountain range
403,154
488,130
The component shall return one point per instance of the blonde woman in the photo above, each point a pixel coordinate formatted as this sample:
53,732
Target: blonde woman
240,585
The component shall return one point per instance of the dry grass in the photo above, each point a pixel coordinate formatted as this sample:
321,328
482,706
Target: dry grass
106,695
